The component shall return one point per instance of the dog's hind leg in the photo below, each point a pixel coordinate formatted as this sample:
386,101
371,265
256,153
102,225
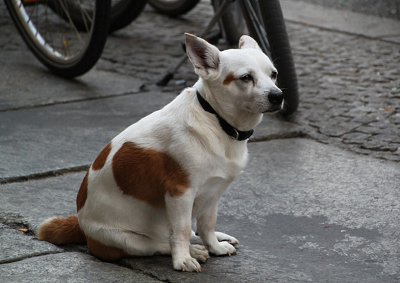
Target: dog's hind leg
197,249
196,240
116,244
104,252
224,237
199,252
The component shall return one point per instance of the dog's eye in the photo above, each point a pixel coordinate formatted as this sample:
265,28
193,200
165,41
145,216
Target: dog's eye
274,75
246,78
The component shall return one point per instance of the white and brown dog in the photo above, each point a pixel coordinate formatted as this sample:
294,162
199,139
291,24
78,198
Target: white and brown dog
141,193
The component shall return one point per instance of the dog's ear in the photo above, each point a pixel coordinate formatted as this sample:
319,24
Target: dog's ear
204,56
246,41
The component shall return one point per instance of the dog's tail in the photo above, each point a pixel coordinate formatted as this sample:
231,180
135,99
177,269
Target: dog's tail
61,231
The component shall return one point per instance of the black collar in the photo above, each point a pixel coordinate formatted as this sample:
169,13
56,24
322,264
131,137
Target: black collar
231,131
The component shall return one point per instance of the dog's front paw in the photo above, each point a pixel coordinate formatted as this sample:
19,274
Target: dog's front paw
224,237
223,248
199,252
186,264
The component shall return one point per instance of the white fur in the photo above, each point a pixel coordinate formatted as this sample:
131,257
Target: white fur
194,138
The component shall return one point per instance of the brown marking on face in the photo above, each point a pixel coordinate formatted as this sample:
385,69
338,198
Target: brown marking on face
148,175
229,78
101,159
61,231
104,252
82,194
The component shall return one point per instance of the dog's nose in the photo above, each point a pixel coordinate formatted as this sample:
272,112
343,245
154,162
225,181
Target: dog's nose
275,96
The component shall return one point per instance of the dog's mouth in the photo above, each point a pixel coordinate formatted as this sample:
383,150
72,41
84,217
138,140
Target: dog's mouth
274,109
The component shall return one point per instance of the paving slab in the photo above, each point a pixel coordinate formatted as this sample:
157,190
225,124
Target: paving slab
14,245
32,202
68,267
381,8
338,210
26,83
302,211
341,20
276,127
37,140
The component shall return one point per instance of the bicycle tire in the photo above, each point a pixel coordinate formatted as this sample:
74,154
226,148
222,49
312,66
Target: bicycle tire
275,42
173,8
67,56
281,53
280,50
124,12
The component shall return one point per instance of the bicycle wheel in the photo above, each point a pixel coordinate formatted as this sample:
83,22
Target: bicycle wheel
58,43
123,12
265,23
173,8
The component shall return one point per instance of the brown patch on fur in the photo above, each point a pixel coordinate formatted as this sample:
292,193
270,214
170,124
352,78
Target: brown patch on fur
104,252
241,43
101,159
148,175
229,78
61,231
82,194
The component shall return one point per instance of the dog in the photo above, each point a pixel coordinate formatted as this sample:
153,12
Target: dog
142,192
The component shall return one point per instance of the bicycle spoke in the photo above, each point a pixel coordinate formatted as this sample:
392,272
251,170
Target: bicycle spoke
85,16
258,27
66,11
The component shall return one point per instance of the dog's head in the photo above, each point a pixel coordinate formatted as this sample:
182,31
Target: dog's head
243,77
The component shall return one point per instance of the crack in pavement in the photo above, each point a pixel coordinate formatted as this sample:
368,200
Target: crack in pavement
17,259
43,175
71,101
287,135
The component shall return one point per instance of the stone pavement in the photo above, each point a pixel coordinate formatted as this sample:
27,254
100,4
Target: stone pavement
318,202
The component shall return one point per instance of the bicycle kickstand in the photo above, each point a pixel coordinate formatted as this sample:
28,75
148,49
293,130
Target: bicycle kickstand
165,80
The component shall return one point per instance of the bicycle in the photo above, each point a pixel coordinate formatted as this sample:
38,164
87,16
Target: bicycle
68,36
62,46
263,20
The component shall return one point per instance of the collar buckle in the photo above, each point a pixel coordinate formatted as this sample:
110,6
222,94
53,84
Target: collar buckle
235,135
